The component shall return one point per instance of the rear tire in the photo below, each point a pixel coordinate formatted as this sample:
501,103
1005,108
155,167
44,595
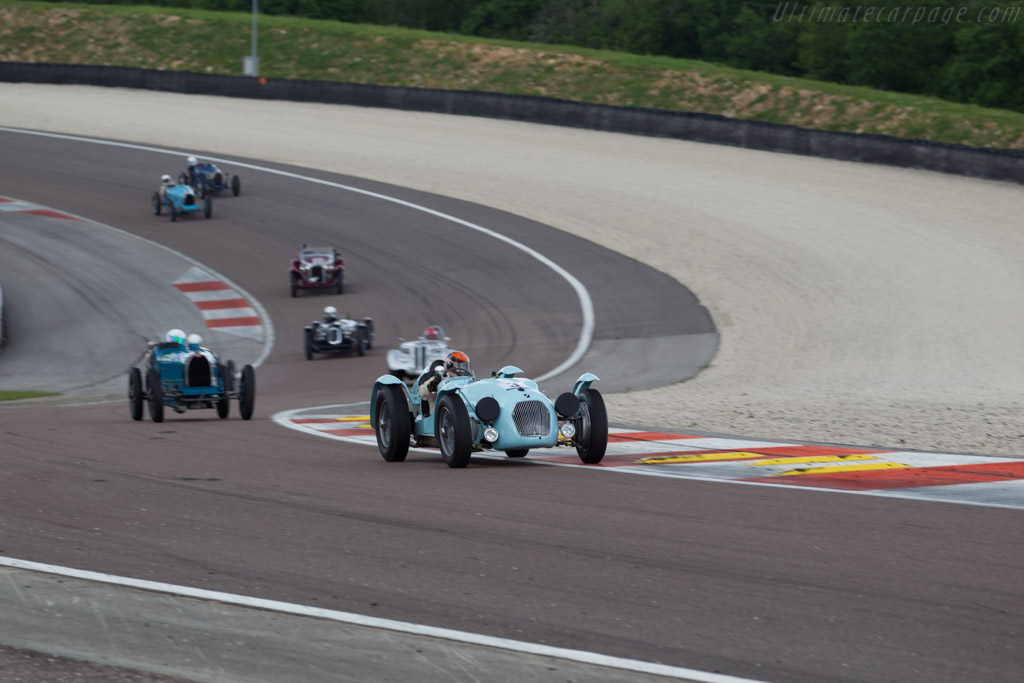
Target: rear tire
174,213
361,341
591,427
224,404
156,396
309,345
452,431
236,185
394,423
341,283
247,393
157,203
135,393
208,207
295,285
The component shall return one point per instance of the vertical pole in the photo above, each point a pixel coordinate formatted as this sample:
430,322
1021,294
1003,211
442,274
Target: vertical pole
255,60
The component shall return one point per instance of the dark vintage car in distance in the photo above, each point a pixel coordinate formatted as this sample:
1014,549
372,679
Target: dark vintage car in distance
317,268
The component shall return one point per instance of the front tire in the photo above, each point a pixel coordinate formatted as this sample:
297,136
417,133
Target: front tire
394,424
295,285
224,404
156,396
452,431
174,213
157,203
247,392
135,393
208,207
236,185
309,345
591,427
517,452
361,341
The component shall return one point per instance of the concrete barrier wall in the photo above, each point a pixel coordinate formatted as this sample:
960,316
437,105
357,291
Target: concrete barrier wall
879,149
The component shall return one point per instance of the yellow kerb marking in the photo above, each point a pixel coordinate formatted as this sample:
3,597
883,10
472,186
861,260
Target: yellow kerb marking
704,457
810,458
843,468
354,418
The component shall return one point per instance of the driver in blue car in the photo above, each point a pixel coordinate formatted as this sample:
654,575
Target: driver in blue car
165,182
173,336
455,365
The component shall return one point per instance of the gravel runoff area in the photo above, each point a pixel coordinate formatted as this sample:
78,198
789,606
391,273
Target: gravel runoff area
857,304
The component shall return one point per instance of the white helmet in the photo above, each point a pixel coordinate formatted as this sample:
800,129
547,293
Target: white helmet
176,335
330,311
166,179
192,161
194,339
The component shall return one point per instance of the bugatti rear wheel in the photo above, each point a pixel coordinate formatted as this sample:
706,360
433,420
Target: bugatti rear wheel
156,396
174,213
236,185
309,345
208,207
394,424
247,392
452,431
591,427
135,393
157,203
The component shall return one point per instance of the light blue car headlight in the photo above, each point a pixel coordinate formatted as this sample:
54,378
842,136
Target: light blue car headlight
491,434
568,429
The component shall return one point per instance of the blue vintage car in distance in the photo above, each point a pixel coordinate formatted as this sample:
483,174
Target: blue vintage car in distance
498,413
182,375
207,178
179,200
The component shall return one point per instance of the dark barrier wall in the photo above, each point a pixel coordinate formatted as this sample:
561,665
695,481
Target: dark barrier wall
880,149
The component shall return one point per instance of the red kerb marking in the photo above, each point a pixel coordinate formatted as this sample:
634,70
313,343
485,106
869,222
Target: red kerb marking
906,477
49,214
5,199
647,436
222,303
233,322
200,286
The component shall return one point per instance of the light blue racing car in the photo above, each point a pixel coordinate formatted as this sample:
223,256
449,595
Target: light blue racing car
179,200
499,413
182,375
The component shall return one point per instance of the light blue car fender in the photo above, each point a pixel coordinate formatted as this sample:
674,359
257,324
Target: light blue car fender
584,382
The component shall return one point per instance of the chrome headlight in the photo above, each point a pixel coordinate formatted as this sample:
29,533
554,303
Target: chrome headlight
568,429
491,434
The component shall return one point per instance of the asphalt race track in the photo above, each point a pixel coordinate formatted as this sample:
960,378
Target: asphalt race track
758,583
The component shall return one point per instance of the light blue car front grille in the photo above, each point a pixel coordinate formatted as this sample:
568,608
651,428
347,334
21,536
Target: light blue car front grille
532,418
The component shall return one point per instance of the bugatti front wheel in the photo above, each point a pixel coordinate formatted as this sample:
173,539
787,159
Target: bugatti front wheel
135,393
208,207
157,203
247,392
174,213
309,345
591,427
393,424
156,396
224,403
452,430
361,341
236,185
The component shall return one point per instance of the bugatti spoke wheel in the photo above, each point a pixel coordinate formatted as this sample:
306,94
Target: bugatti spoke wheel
135,393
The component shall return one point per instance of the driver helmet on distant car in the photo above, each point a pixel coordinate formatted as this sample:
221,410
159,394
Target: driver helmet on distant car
166,180
432,333
330,314
177,336
457,365
194,340
192,163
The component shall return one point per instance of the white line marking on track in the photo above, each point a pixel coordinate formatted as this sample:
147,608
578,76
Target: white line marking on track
375,622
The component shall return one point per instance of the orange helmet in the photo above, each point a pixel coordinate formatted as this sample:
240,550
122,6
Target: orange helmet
457,365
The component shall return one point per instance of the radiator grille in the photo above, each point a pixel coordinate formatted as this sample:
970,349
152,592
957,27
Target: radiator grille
532,418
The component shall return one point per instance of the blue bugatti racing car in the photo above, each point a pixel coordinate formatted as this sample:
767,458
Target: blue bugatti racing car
498,413
207,178
179,200
182,375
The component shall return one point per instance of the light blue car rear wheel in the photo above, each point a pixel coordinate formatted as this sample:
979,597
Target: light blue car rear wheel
247,393
591,427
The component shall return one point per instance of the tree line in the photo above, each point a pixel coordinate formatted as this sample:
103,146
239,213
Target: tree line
968,51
